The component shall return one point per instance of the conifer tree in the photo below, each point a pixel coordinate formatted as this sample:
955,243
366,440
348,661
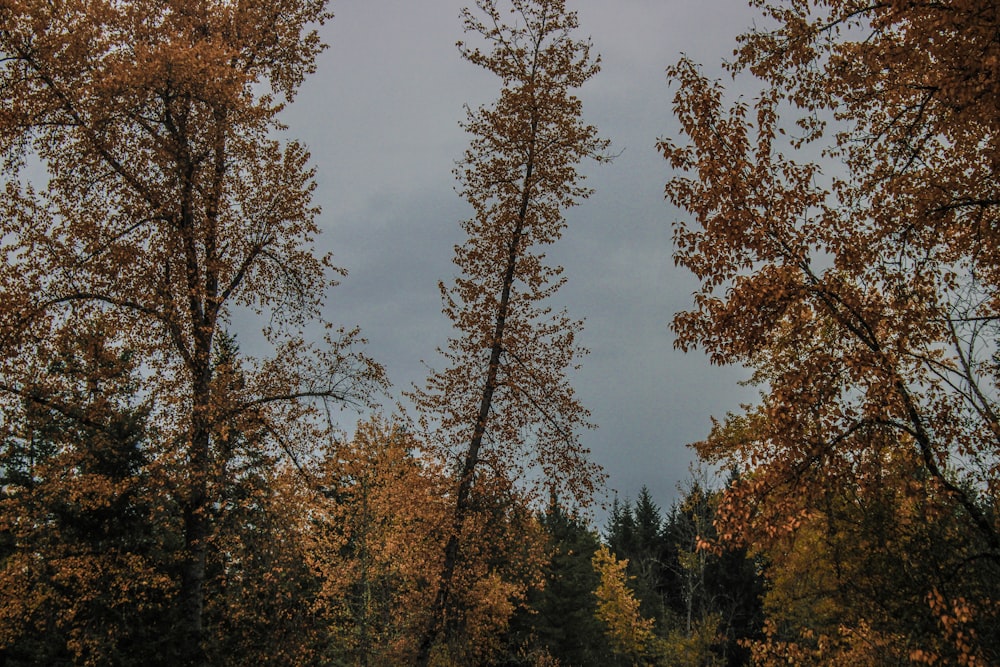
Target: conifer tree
559,620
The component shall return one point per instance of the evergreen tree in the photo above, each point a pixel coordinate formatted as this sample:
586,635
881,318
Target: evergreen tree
719,587
260,593
635,534
734,584
704,601
89,541
560,619
620,531
164,198
647,564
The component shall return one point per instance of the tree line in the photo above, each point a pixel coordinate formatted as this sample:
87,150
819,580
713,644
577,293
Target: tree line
339,571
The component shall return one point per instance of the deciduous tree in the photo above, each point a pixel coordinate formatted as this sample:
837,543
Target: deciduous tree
630,633
262,599
376,542
143,181
843,227
705,602
379,525
504,404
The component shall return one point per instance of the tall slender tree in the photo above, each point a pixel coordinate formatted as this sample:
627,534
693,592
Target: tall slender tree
504,403
162,199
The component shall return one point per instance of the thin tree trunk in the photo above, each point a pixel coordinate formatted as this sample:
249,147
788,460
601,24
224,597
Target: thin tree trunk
440,619
202,313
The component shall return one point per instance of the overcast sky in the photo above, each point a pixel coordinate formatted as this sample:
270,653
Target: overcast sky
381,117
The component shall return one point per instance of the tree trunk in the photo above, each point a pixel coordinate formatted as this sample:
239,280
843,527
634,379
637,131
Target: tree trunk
440,619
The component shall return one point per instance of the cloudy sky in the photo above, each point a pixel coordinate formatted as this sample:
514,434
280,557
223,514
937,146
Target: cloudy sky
381,120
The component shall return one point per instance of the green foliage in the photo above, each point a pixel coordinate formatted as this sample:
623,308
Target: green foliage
636,533
559,618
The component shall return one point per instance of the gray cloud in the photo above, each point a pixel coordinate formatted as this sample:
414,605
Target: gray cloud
381,120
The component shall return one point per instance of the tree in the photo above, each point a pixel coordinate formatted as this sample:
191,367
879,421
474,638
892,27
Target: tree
634,533
630,633
647,560
503,403
502,556
843,230
375,542
378,525
89,544
620,530
261,595
870,575
703,597
705,601
735,587
166,204
689,530
559,619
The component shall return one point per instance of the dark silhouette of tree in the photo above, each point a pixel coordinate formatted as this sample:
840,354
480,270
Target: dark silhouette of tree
705,601
559,620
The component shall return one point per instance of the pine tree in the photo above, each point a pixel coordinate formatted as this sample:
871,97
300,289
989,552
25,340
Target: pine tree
559,620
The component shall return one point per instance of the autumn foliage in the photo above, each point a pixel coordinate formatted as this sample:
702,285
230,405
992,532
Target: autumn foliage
502,414
168,498
618,609
87,537
504,400
144,189
843,227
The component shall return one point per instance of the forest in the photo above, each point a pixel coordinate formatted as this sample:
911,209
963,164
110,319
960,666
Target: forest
171,495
